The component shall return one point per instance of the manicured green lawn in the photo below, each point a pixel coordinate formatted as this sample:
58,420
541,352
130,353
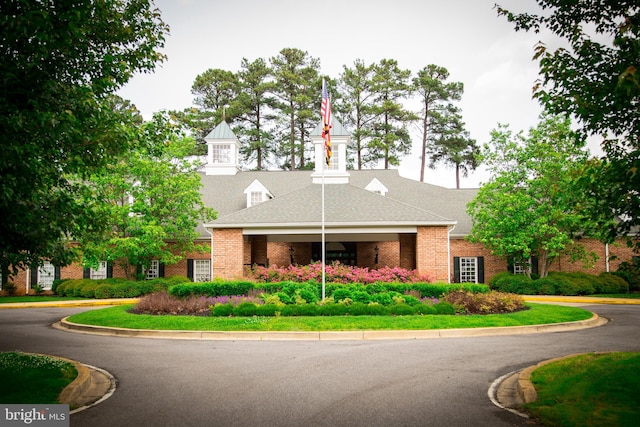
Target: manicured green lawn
119,317
589,390
33,378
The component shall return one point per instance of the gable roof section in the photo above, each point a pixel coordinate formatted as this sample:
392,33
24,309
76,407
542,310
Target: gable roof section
345,205
225,194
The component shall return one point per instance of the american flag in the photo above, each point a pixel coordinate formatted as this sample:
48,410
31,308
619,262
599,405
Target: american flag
325,111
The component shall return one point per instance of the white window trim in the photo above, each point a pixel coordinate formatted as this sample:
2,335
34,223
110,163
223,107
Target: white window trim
100,272
469,269
201,270
46,276
153,271
221,154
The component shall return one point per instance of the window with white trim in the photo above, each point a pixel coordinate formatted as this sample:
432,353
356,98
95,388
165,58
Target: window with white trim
468,270
256,197
201,270
100,272
221,153
46,275
153,272
519,268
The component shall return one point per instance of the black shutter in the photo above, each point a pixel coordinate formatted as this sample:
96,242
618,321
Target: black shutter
109,270
34,276
510,265
160,269
86,273
190,269
56,273
480,269
456,269
534,265
139,272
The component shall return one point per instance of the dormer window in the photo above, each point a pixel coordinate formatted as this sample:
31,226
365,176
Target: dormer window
257,193
375,186
221,153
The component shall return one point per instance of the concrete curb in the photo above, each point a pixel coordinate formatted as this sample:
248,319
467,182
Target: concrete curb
594,321
71,303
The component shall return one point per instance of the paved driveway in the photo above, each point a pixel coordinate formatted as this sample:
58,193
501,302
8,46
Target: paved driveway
436,382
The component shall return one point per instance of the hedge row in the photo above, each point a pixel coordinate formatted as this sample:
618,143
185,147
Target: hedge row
331,309
560,284
238,287
113,288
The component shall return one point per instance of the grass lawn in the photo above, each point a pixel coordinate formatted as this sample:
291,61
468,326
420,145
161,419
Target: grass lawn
119,317
33,378
588,390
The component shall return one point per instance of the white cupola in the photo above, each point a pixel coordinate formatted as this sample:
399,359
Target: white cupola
222,151
336,171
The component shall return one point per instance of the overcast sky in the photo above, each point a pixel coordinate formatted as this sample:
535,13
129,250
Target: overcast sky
467,37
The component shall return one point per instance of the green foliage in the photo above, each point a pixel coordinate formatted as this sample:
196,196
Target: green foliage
561,284
108,288
596,80
57,121
212,289
530,206
493,302
631,273
149,197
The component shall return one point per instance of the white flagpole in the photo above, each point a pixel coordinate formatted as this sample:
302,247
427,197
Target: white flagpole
323,237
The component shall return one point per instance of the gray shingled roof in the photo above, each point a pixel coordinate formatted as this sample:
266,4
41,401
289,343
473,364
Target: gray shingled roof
297,200
344,205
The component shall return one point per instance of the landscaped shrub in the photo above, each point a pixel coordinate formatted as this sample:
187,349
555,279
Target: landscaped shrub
514,283
163,303
336,273
493,302
212,289
631,273
401,309
610,283
573,283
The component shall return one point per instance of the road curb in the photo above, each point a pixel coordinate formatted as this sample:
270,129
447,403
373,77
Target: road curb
66,325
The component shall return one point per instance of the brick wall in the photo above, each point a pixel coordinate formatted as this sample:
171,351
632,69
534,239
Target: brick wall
494,264
408,251
228,253
432,252
388,254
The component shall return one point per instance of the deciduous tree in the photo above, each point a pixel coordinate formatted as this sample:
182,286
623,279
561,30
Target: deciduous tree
596,79
59,61
531,208
150,201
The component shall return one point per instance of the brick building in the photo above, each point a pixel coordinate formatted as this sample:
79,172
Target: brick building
373,218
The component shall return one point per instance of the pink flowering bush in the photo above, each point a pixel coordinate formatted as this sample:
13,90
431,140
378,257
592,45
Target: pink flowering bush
337,273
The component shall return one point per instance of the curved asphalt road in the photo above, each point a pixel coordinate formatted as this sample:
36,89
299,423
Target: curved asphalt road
433,382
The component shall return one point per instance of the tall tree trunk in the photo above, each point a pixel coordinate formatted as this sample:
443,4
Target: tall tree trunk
457,175
544,263
425,126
